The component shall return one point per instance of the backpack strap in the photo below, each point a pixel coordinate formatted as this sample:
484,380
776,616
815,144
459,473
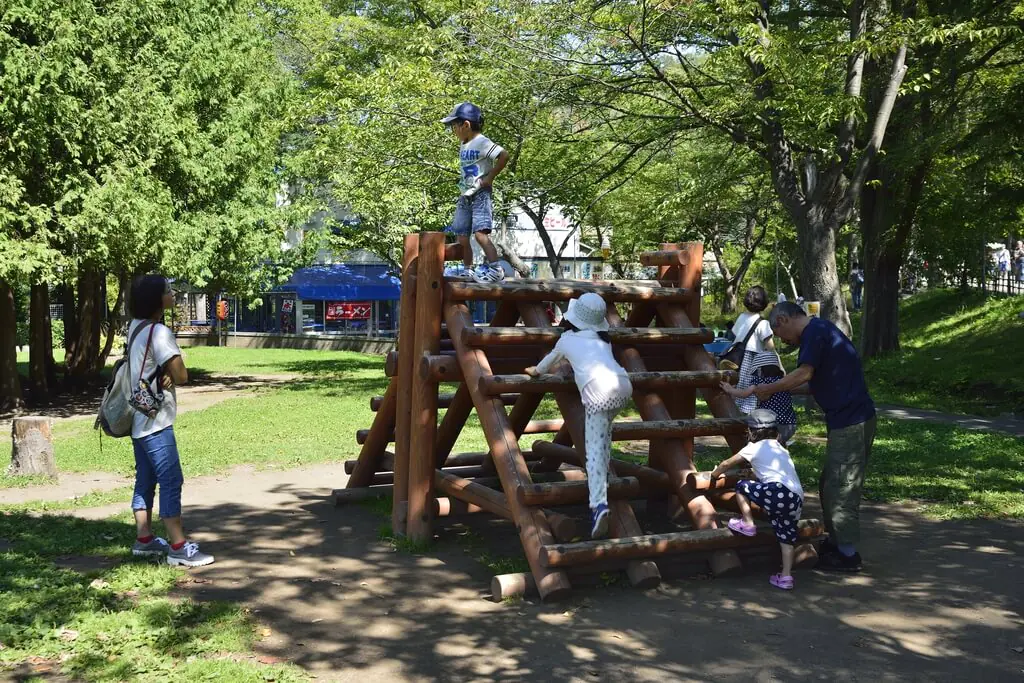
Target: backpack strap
145,355
131,340
753,328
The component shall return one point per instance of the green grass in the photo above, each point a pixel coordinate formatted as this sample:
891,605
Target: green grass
960,353
118,623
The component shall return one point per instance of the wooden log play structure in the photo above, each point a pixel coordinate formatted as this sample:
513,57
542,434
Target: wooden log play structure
655,338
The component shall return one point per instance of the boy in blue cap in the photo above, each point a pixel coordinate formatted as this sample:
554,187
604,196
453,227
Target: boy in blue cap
481,160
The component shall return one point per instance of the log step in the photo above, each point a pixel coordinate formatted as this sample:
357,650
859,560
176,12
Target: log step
387,462
488,336
532,427
560,290
443,400
574,492
642,381
584,552
677,429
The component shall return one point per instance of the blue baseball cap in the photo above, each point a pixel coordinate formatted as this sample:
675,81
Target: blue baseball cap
467,111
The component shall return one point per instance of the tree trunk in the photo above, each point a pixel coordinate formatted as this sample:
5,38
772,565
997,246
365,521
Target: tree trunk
114,318
729,298
10,383
818,274
32,447
82,365
554,256
40,356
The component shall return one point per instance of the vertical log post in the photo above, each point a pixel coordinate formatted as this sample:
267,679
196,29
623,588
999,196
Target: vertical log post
423,414
376,442
403,401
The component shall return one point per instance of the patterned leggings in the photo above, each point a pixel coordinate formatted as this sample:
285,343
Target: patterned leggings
598,434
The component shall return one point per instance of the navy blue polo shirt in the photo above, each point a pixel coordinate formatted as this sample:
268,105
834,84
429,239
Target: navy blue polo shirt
838,384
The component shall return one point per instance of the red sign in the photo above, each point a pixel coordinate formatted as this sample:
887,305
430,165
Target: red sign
349,310
222,310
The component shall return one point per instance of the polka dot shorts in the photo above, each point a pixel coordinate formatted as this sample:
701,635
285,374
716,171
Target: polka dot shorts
782,506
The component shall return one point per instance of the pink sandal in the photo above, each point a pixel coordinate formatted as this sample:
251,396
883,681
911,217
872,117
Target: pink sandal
737,525
780,581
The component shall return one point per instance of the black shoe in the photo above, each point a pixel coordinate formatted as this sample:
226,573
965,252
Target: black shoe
837,562
826,547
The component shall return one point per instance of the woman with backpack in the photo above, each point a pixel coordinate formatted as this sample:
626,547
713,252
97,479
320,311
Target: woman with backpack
753,335
153,353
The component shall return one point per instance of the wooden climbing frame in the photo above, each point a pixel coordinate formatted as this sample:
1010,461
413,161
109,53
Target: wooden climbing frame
656,339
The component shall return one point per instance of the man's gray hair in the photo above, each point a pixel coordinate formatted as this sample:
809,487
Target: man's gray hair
787,308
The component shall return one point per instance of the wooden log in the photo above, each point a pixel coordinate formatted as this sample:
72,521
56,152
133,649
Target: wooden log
662,258
451,424
463,489
532,427
642,574
344,496
506,586
493,336
533,527
583,552
403,403
32,447
644,381
386,463
453,252
467,471
443,400
442,368
670,429
559,290
391,364
374,441
423,421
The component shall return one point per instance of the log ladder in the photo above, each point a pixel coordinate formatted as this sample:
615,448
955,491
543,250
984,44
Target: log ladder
657,343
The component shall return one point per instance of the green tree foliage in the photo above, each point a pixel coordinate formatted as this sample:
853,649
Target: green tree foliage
137,135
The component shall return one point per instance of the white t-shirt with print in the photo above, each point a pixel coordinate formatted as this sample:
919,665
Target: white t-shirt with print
771,464
162,348
762,334
477,158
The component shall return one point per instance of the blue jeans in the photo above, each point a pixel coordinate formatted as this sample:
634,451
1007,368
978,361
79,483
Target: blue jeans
473,214
156,462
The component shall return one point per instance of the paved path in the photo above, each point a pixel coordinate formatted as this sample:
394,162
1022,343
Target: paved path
938,600
1006,425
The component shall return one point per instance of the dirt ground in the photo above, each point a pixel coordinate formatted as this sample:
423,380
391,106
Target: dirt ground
938,601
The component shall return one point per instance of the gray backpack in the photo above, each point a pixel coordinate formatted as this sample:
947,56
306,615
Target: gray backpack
116,411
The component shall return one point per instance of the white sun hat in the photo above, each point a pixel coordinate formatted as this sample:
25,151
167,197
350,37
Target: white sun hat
588,312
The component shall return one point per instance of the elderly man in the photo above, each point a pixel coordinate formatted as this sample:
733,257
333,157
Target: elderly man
829,364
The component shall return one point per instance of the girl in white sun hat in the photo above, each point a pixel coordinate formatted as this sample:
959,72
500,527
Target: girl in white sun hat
604,388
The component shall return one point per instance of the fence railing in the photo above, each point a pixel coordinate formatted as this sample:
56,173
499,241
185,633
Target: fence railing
1010,283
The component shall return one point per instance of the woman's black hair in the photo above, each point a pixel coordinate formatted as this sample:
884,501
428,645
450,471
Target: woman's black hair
147,296
603,336
756,299
762,434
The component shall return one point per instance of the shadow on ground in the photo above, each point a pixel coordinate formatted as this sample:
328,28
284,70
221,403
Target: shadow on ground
938,601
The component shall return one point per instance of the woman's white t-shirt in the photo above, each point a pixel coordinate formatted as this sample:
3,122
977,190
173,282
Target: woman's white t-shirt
762,334
162,348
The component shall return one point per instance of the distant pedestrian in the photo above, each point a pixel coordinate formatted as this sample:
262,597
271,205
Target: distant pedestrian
829,364
857,286
1018,258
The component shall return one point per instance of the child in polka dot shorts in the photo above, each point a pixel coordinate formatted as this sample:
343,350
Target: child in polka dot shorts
604,389
777,490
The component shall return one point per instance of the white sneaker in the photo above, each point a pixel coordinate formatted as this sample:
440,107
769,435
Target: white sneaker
188,556
488,273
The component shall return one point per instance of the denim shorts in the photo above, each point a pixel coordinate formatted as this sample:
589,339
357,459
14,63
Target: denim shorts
473,214
156,462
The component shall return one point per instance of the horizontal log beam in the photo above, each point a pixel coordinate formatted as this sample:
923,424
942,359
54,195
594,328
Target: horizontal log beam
472,492
492,336
443,400
642,381
344,496
674,257
560,290
574,492
584,552
532,427
675,429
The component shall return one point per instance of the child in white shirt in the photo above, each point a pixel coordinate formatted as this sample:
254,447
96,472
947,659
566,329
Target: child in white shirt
777,490
604,388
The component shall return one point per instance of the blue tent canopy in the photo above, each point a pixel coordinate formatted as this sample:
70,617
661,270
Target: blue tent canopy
343,282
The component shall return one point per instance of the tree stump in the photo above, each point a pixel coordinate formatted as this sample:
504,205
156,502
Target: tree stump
33,447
